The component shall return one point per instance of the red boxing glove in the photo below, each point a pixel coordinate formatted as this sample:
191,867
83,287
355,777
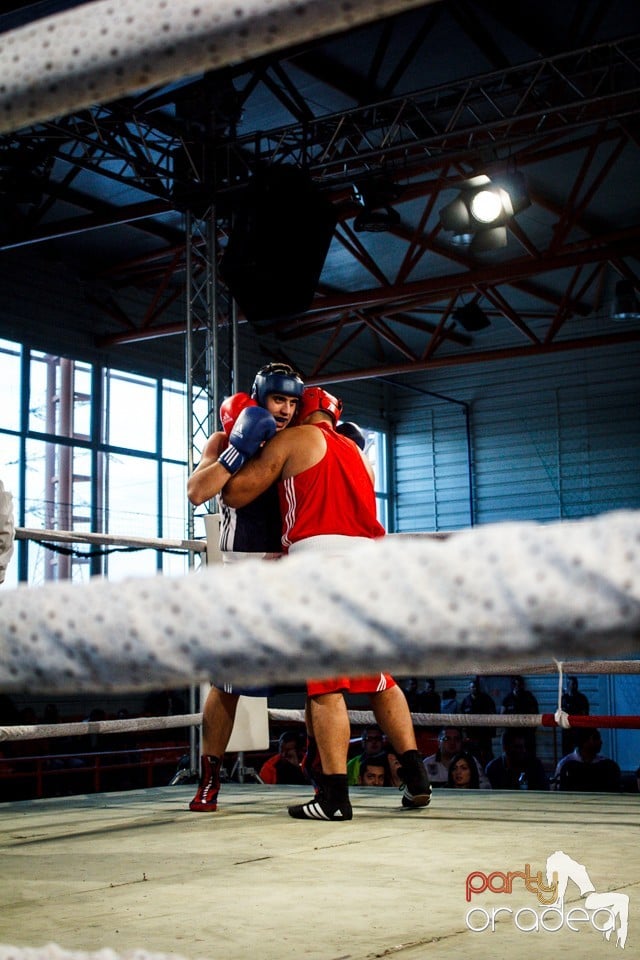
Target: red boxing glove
232,407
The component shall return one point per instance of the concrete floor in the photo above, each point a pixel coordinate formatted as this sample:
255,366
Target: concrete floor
137,869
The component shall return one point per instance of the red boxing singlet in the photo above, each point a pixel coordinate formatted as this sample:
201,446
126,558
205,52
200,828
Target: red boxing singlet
335,496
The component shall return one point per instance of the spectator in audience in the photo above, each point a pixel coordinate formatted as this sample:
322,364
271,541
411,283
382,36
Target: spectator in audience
450,743
410,688
373,742
585,768
51,714
522,701
463,772
479,702
9,713
576,704
285,765
449,702
516,769
374,771
394,763
428,699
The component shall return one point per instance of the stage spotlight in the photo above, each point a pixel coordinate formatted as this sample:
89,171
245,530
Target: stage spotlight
626,305
471,317
486,206
377,214
515,186
476,218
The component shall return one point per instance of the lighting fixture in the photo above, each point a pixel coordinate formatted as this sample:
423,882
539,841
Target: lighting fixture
477,217
376,214
626,305
471,317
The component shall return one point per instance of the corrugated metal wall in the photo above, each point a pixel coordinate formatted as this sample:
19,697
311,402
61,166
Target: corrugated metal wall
432,476
548,438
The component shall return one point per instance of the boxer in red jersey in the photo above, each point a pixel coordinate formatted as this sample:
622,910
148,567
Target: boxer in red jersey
327,499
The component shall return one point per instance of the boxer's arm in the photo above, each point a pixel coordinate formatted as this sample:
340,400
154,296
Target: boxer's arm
368,468
209,476
259,473
253,427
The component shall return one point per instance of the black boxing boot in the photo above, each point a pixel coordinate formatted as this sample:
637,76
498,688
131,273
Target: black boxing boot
416,789
330,803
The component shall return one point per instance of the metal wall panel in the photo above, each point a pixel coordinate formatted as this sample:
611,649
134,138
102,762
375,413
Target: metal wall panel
550,438
555,437
432,469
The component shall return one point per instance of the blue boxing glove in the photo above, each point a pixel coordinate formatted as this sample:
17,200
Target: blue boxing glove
253,426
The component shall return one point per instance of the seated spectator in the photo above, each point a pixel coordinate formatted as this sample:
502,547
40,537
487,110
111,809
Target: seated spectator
374,771
585,768
394,768
463,772
450,743
516,769
285,765
373,742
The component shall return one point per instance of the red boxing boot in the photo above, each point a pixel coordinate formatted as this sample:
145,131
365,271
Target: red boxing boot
206,798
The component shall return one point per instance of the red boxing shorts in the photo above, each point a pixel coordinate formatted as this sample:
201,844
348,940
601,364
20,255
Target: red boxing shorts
383,681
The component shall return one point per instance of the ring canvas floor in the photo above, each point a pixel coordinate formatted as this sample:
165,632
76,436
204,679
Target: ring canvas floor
138,870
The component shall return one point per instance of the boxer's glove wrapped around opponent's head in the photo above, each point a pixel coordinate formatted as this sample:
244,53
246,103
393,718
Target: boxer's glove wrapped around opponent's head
253,426
353,431
232,407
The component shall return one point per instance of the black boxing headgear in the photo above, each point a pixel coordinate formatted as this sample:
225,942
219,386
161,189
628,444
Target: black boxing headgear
276,378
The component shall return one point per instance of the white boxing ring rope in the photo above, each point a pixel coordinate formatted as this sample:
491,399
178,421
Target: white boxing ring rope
108,48
502,593
109,539
41,731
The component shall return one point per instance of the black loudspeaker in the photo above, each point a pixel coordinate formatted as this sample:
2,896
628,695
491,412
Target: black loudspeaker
281,232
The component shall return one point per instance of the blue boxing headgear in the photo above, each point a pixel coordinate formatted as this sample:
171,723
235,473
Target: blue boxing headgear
276,378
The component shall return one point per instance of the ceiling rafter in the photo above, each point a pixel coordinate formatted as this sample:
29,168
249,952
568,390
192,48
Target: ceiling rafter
169,147
460,117
473,357
588,85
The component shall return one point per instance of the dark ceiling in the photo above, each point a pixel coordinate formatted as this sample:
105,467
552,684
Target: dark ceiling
421,101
